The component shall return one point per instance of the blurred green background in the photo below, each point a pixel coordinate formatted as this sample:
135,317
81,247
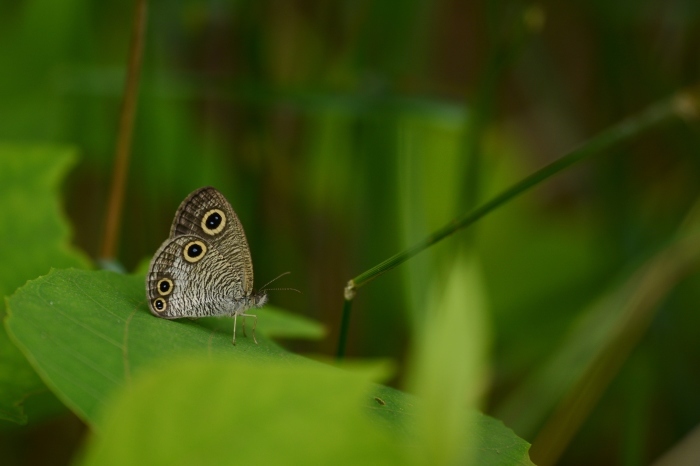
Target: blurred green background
343,132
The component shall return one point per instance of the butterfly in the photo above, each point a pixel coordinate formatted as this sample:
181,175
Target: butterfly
204,268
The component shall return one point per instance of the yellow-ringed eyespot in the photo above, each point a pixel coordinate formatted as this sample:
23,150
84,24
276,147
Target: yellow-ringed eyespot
194,251
165,286
213,222
160,305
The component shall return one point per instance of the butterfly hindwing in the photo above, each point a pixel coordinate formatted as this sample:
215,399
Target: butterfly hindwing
190,277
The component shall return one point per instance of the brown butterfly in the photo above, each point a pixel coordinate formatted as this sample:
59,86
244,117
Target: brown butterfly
204,268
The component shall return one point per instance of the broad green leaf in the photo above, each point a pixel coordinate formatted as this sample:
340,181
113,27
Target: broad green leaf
87,333
33,238
269,413
209,411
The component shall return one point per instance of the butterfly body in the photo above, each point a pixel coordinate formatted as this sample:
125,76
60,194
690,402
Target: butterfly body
204,268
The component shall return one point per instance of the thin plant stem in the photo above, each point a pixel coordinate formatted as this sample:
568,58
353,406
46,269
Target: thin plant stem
124,136
344,325
684,104
632,126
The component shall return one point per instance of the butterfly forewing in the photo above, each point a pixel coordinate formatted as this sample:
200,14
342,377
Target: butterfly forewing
207,214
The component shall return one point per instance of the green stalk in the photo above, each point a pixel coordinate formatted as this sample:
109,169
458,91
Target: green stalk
344,325
683,104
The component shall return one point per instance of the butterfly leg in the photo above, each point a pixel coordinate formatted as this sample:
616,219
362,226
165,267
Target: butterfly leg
234,329
255,324
244,334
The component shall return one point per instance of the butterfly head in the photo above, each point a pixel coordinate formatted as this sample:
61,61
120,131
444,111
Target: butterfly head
259,299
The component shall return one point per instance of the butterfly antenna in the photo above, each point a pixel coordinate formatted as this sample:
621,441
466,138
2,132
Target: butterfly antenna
276,278
282,289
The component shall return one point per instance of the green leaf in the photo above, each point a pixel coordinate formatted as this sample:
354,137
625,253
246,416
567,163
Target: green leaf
267,413
270,413
34,237
91,338
87,333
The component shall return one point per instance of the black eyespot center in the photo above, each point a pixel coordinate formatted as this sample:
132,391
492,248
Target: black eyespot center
165,286
214,220
159,304
194,250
